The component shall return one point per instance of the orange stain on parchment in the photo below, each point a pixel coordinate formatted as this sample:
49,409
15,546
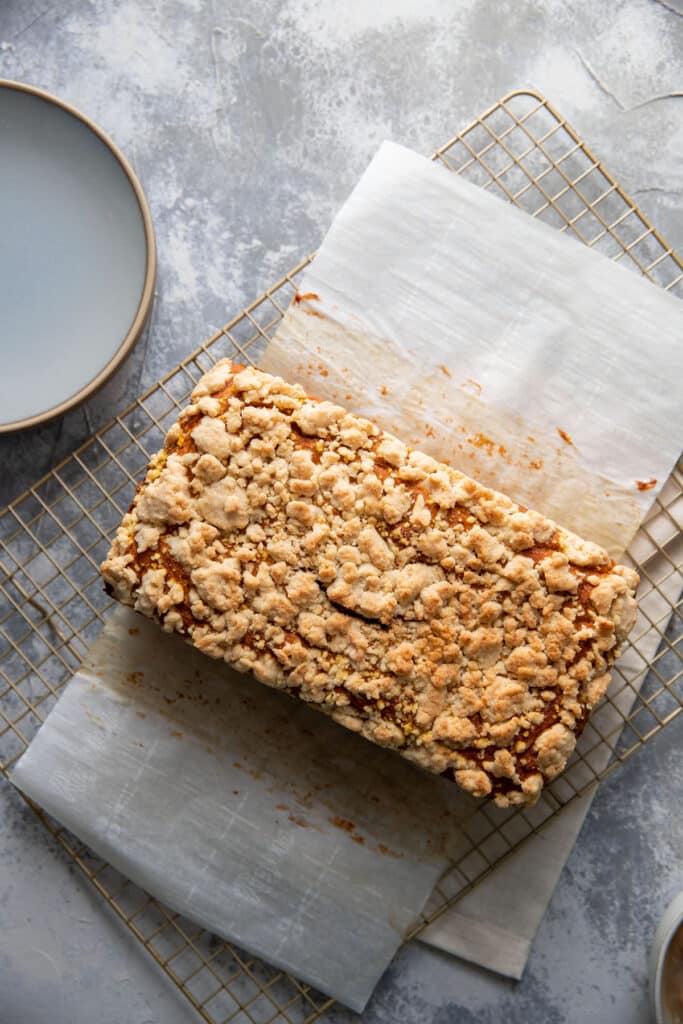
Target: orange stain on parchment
343,823
301,822
387,851
308,297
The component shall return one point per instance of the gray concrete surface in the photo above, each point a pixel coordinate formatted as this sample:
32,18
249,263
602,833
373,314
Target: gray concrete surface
248,123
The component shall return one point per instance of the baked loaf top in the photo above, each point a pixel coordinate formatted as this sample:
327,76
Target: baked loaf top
417,607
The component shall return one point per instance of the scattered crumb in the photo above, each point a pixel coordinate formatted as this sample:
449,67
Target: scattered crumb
536,464
646,485
445,370
133,631
482,441
281,807
383,390
565,436
305,297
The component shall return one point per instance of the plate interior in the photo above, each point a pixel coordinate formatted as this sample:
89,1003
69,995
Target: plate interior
73,255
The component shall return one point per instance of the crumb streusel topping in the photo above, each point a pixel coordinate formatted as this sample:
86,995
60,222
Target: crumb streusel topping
415,606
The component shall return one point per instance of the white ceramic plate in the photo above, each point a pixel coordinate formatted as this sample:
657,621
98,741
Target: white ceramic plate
77,257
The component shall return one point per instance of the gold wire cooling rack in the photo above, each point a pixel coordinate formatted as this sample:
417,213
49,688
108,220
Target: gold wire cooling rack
54,536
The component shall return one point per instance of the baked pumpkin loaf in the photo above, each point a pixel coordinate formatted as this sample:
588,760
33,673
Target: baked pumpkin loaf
413,605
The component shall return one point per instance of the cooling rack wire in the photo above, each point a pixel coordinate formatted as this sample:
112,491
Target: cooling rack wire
53,537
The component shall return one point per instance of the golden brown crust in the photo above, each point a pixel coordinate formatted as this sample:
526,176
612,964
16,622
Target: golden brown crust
417,607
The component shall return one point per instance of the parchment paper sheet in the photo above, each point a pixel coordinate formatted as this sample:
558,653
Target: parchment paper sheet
256,816
524,359
247,811
494,343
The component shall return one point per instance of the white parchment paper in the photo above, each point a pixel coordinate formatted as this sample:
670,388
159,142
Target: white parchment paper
478,335
524,359
245,810
494,343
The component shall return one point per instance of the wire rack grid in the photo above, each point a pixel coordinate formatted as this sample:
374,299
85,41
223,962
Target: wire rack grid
54,536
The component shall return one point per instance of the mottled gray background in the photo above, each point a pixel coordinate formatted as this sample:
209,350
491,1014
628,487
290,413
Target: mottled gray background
248,123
